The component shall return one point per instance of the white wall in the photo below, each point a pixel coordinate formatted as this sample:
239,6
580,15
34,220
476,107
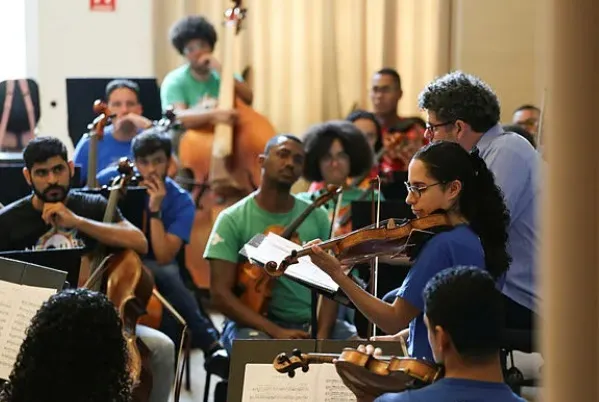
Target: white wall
67,40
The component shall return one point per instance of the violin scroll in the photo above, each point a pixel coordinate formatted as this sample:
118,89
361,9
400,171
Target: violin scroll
284,363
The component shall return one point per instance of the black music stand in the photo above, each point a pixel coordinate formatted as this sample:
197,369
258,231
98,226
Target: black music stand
132,205
14,186
82,92
62,259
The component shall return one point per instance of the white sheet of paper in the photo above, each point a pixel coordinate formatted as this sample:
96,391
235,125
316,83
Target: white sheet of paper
276,248
18,305
262,383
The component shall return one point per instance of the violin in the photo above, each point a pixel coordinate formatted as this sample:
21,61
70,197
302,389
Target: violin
390,238
253,284
373,375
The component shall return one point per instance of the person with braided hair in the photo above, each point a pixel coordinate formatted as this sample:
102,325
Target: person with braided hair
74,350
464,109
441,177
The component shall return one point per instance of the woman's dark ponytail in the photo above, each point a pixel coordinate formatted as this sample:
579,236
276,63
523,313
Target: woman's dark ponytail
481,201
485,209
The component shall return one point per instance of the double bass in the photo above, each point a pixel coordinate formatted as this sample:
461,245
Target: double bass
222,158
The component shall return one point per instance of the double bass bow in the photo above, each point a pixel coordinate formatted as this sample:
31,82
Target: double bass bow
373,375
252,282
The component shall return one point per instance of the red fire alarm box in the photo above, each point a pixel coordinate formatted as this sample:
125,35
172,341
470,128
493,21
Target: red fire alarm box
102,5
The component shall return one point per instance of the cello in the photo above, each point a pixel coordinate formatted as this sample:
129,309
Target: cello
129,286
252,282
222,159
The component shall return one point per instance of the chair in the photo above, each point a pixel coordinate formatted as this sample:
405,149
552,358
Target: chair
516,340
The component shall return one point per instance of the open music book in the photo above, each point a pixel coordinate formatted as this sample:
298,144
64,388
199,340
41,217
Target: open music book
18,305
321,383
272,247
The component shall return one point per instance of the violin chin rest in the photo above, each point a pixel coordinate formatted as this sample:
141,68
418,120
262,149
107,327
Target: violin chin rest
371,383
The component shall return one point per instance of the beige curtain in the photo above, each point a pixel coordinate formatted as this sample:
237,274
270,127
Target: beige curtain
311,60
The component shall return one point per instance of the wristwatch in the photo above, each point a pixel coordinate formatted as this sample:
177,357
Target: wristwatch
157,214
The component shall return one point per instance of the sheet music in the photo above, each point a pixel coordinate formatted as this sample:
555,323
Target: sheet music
321,383
276,248
18,305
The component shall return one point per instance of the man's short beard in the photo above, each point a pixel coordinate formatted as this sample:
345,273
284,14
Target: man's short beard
43,195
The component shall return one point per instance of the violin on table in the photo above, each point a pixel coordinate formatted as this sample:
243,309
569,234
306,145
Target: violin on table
373,375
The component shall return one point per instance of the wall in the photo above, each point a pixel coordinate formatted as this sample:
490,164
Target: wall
496,40
67,40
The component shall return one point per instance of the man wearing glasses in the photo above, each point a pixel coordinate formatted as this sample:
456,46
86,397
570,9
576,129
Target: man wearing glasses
464,109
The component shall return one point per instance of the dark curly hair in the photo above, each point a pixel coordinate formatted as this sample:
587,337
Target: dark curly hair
480,201
40,149
465,302
318,140
363,114
74,350
190,28
460,96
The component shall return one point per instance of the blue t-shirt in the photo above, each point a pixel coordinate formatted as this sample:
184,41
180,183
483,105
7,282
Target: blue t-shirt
456,390
178,209
459,246
110,150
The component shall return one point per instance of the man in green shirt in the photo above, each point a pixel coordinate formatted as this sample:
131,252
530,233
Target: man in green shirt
193,88
272,204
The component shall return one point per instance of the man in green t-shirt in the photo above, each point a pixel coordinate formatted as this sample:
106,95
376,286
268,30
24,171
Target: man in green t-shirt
194,86
272,204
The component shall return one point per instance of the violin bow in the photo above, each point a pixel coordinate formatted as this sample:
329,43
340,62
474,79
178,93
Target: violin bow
374,265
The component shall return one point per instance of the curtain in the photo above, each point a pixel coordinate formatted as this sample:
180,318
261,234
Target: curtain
312,60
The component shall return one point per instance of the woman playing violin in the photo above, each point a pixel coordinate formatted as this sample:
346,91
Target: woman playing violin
441,176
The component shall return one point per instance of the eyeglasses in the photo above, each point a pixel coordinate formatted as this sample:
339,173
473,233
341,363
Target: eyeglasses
433,127
418,190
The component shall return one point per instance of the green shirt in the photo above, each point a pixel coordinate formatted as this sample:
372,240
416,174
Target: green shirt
179,86
236,225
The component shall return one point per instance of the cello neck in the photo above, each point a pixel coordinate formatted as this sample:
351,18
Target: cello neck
92,163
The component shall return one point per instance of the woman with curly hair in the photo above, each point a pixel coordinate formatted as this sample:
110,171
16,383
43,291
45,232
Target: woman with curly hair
74,351
441,177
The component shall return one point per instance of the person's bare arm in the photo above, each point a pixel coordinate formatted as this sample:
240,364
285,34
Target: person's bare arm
327,317
196,119
122,234
164,245
223,275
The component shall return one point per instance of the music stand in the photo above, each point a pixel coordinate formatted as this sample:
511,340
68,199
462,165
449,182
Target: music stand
132,205
61,259
25,273
15,187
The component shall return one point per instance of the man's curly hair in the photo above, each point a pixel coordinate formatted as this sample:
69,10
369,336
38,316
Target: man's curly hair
190,28
74,350
318,140
460,96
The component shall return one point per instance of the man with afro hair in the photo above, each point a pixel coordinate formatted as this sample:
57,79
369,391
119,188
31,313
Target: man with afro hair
195,85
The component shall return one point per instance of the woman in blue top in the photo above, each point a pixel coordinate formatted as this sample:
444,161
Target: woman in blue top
441,176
